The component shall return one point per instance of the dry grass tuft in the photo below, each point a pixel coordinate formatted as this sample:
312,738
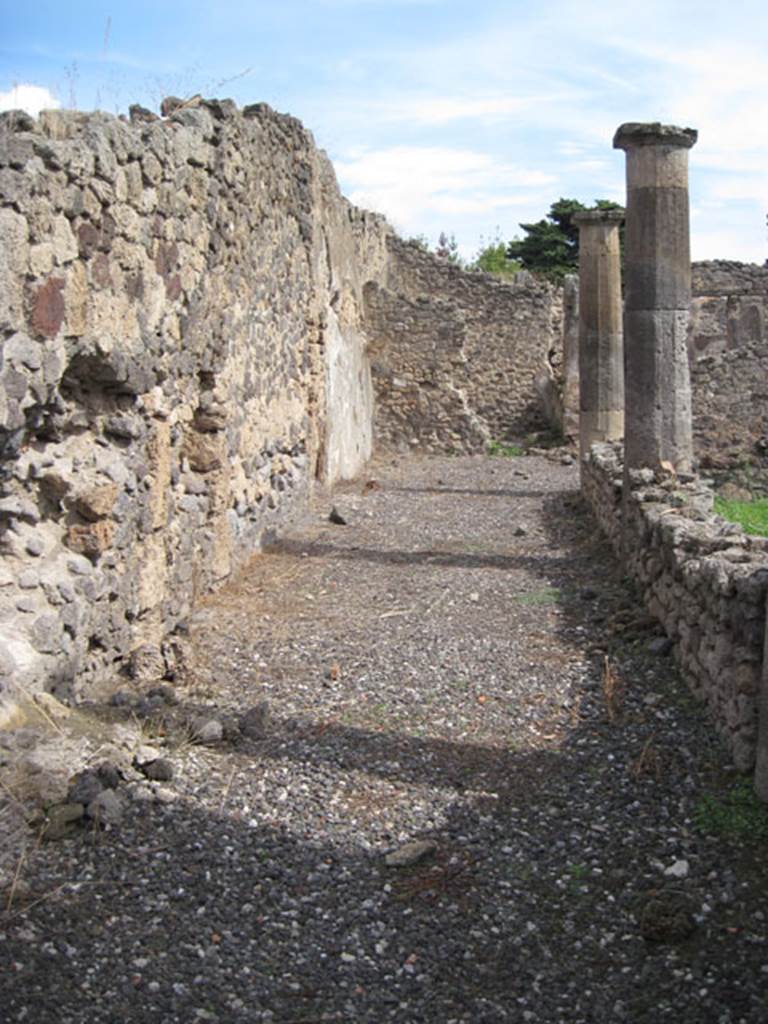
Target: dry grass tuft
647,761
16,841
613,691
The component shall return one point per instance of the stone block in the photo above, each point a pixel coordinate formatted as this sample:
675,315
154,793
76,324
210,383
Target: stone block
14,236
76,300
47,308
45,634
204,452
91,539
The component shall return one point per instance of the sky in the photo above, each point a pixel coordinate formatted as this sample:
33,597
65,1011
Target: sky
452,116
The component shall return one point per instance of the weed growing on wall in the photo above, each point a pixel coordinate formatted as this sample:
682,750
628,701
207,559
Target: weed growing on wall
751,515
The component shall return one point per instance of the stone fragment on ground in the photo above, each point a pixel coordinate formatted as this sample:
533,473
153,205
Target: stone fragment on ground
255,722
62,821
159,770
85,787
109,774
207,730
107,809
145,754
679,869
411,853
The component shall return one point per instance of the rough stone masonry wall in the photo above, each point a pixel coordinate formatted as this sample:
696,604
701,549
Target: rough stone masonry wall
182,352
703,578
454,355
728,346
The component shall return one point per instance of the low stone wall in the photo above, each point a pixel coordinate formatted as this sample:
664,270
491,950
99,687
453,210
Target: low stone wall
454,355
704,579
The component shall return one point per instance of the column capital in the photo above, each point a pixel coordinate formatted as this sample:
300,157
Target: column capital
586,217
631,135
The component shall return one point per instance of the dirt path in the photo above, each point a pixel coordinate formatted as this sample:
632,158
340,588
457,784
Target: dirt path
458,666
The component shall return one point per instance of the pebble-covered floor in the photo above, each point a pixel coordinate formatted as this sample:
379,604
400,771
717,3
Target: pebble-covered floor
459,666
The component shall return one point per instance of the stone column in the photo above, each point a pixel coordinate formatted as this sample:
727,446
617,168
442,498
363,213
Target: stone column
657,281
601,349
570,424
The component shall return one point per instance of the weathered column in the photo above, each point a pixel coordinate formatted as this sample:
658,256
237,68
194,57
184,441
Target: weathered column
657,282
601,350
570,424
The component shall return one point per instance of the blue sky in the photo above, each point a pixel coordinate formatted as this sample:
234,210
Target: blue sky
445,115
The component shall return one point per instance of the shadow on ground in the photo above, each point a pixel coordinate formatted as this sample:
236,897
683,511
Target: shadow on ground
261,891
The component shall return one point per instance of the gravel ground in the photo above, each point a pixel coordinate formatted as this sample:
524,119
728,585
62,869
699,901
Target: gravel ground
460,664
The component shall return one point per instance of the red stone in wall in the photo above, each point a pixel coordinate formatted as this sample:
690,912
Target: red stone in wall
47,308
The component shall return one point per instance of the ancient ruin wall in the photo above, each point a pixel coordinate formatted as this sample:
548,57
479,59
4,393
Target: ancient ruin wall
728,352
454,355
183,352
703,578
728,346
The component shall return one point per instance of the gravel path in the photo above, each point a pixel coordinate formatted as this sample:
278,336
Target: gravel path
460,665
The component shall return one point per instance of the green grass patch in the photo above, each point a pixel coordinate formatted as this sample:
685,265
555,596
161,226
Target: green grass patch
549,595
507,451
735,814
751,515
578,872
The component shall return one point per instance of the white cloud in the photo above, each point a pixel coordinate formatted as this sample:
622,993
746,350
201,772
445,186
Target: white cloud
442,110
726,244
409,184
31,98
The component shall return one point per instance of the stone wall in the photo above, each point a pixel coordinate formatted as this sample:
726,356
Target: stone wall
182,354
454,354
728,346
194,323
703,578
728,350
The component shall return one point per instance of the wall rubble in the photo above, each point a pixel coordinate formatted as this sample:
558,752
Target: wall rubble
703,578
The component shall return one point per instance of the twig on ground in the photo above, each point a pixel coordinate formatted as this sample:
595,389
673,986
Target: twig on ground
613,691
647,762
15,882
225,794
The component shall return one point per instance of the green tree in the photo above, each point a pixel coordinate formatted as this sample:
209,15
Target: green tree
551,246
492,258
